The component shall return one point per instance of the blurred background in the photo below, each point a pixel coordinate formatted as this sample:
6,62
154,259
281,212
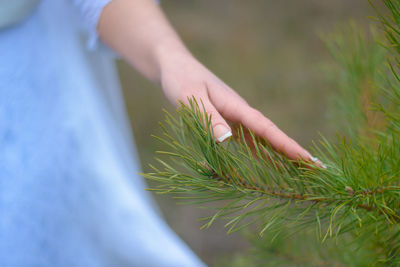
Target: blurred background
268,51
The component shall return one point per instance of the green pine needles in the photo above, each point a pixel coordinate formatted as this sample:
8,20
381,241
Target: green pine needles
356,199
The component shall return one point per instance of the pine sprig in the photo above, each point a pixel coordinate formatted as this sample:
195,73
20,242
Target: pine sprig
264,186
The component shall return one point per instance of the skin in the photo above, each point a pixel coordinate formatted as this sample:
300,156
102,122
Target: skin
139,31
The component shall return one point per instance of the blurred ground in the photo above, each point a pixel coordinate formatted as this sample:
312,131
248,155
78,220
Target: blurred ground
271,53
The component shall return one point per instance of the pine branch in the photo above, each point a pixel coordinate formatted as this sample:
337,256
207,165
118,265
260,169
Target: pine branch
357,194
226,172
305,198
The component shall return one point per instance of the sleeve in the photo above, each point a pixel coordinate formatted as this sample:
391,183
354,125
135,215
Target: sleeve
90,13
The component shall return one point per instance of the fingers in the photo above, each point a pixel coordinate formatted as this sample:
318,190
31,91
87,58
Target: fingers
239,111
235,109
221,129
222,102
262,126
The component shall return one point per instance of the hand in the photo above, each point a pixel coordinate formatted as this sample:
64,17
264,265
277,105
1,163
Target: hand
140,33
183,77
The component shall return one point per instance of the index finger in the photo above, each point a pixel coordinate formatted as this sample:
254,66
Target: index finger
263,127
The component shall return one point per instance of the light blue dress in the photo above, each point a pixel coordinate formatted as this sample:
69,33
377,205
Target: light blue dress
70,194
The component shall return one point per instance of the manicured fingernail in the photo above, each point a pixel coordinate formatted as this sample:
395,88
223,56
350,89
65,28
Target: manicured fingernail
222,132
316,160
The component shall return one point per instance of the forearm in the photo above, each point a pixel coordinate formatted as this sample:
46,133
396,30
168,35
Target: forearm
140,33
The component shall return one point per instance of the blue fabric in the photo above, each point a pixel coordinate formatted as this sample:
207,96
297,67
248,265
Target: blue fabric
12,12
70,194
90,13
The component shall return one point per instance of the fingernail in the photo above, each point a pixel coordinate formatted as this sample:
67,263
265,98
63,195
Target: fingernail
316,160
222,132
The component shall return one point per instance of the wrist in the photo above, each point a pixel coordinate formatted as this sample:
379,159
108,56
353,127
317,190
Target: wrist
170,52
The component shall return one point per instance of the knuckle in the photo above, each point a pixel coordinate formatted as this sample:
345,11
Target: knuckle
268,127
283,147
255,114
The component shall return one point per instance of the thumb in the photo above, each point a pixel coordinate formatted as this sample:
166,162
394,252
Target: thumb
221,129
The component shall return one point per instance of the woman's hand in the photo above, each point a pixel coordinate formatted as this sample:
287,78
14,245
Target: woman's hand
182,77
140,33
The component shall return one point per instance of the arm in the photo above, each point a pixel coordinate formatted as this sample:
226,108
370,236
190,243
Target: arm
140,33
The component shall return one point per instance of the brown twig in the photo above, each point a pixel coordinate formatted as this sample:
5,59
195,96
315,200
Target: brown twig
297,196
